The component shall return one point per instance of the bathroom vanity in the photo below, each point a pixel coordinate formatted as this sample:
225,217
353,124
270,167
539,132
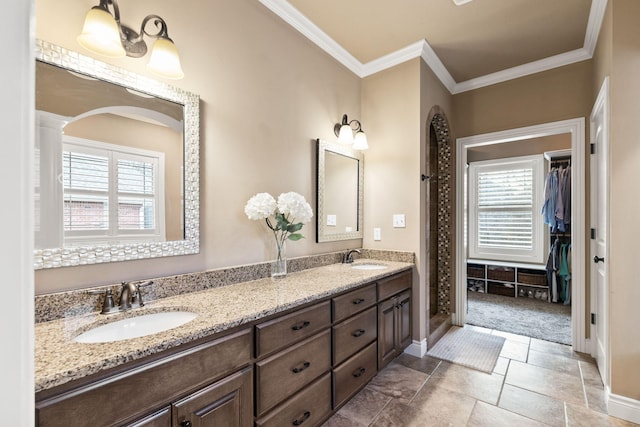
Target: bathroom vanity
266,353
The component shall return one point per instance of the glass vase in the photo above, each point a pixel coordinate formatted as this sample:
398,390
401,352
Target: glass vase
279,265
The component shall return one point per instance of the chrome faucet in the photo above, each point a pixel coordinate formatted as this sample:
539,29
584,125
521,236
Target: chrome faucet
348,257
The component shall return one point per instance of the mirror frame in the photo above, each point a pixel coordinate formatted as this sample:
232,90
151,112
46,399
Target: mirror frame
322,234
98,254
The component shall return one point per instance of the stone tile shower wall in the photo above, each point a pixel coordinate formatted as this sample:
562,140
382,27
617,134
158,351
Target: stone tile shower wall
445,213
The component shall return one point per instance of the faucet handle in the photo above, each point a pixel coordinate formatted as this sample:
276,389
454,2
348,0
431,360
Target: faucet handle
108,305
136,299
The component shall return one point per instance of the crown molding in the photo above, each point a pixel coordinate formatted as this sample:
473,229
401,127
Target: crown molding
523,70
423,50
596,15
297,20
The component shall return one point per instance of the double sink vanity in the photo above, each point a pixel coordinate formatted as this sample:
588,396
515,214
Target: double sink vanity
210,348
265,352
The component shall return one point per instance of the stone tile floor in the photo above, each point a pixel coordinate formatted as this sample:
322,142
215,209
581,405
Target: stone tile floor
534,383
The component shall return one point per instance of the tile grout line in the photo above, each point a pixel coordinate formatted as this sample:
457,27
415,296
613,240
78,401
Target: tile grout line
584,390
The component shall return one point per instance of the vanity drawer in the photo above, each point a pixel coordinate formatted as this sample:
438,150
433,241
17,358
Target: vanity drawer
308,407
284,373
394,284
353,374
278,333
148,386
353,302
353,334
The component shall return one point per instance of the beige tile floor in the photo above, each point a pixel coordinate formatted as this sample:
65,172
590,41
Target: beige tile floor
534,383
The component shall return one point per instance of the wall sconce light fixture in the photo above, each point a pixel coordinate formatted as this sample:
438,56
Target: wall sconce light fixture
344,131
103,34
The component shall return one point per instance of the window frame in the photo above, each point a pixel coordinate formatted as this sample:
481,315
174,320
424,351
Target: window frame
537,253
114,234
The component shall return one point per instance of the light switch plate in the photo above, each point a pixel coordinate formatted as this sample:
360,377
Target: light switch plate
399,221
332,220
377,234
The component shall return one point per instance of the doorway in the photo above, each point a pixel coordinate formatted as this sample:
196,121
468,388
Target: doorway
438,230
575,129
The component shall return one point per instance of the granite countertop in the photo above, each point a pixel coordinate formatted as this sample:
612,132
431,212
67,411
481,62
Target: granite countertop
59,359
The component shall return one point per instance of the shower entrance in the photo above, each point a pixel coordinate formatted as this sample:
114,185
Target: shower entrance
439,226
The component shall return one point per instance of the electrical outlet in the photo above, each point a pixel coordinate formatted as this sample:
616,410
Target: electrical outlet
332,220
377,234
399,221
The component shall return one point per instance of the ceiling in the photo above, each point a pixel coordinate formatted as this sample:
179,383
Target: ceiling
475,44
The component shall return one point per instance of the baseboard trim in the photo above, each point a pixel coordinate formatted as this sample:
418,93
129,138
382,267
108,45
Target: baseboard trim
417,348
624,408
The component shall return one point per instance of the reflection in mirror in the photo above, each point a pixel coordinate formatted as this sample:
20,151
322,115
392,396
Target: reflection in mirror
340,192
116,163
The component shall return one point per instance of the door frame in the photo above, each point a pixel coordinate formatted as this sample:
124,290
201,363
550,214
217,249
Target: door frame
576,129
600,106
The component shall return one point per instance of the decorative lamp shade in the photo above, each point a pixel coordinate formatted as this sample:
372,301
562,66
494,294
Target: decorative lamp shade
360,141
164,59
346,135
100,34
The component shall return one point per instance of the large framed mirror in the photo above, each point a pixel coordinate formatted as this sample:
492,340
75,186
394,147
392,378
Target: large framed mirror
339,192
116,163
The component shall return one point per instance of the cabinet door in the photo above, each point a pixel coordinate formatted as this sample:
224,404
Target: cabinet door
227,402
404,320
386,332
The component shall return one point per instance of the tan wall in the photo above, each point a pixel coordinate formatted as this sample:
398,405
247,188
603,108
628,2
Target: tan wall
266,94
624,173
390,115
559,94
395,104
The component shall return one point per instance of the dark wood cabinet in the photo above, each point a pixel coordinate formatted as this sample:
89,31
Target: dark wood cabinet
293,384
296,368
135,393
227,402
394,318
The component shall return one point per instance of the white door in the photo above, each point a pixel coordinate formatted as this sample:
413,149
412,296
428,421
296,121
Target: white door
599,222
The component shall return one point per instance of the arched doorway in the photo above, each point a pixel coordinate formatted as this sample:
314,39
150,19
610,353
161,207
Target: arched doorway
439,225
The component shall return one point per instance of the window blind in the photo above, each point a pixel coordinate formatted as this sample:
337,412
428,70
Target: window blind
505,208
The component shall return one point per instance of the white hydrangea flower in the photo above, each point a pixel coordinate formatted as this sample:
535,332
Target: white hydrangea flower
260,206
295,206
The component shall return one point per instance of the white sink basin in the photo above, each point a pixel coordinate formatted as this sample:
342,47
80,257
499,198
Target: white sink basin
368,266
136,327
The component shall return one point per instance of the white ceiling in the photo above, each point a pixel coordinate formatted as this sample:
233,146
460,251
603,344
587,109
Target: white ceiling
472,45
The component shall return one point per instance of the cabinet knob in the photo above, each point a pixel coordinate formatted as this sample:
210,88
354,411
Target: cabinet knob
301,325
302,419
186,423
358,301
598,259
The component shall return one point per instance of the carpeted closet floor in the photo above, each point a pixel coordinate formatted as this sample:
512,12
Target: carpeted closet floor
523,316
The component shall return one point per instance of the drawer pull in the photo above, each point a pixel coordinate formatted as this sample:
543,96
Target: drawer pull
358,301
358,333
301,325
358,372
299,369
302,419
186,423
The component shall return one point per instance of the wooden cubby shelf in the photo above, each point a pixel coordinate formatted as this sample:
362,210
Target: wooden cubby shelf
513,281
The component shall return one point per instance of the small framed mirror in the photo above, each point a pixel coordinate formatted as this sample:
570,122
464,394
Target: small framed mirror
116,161
339,192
